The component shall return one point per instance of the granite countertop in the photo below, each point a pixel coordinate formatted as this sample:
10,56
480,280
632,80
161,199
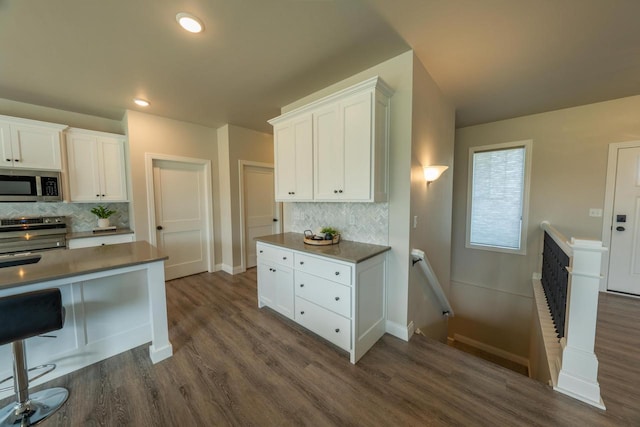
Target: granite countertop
62,263
344,251
85,234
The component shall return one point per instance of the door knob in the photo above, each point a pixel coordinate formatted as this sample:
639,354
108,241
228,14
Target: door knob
159,227
620,228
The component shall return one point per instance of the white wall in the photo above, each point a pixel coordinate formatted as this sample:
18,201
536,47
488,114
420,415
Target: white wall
153,134
432,144
422,126
234,144
397,73
492,292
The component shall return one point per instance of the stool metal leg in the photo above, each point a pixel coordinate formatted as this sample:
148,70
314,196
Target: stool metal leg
29,410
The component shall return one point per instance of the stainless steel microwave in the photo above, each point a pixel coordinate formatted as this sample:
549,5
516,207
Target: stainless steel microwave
30,186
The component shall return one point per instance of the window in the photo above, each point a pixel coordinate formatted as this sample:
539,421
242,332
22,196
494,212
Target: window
498,192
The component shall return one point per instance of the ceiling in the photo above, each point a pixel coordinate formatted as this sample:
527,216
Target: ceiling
494,59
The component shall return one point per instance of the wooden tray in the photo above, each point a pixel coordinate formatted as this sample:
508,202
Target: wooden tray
335,240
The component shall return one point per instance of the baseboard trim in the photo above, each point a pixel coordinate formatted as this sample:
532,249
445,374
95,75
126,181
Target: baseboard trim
397,330
232,270
490,349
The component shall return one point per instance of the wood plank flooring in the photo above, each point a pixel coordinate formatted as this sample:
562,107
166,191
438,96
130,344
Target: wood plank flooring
235,364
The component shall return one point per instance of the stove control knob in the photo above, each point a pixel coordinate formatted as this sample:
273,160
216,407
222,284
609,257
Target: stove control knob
47,220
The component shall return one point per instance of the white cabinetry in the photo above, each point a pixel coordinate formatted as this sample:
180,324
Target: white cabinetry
340,301
111,239
97,168
275,279
349,133
30,144
293,159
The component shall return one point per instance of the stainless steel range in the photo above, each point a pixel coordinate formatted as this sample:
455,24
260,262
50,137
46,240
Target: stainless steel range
32,234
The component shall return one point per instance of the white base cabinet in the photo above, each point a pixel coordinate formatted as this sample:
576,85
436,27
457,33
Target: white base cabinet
343,302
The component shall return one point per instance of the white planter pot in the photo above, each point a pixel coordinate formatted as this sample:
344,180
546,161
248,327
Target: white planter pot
103,222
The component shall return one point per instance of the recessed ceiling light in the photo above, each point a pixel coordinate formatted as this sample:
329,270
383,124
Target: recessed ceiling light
141,102
189,22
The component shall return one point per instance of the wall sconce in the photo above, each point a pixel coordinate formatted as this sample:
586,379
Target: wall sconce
431,173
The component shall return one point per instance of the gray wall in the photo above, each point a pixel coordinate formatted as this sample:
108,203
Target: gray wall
492,291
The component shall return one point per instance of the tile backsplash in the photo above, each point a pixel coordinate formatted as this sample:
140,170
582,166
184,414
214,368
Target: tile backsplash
360,222
79,217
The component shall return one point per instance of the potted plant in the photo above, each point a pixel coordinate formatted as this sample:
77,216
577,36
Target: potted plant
329,233
103,215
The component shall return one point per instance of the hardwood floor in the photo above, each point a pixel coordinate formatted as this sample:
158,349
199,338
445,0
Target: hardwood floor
235,364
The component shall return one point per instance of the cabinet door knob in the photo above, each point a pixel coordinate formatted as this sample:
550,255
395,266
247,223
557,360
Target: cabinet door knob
293,192
103,195
337,273
302,312
301,262
284,258
159,227
337,298
97,195
8,160
16,160
335,191
339,191
302,285
261,251
337,330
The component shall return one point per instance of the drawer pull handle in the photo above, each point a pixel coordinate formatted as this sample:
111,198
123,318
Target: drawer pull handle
284,257
337,298
337,330
337,273
302,312
302,285
301,262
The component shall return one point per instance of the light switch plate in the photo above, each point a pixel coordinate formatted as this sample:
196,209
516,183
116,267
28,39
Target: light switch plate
595,212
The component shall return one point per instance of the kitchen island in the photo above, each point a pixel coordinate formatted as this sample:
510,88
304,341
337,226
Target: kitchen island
336,291
114,297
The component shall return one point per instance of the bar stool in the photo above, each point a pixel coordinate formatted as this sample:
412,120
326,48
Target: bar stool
24,316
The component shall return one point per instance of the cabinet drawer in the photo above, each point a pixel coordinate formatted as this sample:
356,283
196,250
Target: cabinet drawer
325,323
274,254
327,294
326,269
100,241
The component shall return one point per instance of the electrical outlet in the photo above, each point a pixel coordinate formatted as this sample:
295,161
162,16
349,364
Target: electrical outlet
415,221
595,212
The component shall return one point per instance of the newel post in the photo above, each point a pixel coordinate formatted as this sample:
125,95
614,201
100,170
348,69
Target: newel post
579,373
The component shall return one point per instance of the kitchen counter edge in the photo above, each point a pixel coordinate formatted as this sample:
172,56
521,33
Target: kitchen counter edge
346,250
65,263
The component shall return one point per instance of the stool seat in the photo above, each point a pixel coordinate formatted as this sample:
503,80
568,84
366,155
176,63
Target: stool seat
24,316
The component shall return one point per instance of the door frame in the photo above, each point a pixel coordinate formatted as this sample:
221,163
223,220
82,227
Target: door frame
149,158
242,164
607,218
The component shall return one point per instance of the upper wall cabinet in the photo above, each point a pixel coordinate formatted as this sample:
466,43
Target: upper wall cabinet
348,133
30,144
293,153
97,168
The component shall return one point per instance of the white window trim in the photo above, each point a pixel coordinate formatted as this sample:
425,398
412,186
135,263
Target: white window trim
528,148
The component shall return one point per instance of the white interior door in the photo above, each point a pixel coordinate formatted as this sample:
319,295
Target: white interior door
624,258
261,212
181,227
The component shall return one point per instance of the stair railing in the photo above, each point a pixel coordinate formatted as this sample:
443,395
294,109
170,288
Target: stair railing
566,295
420,258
